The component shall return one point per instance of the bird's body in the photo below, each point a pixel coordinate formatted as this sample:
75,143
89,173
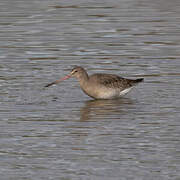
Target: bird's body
102,86
106,86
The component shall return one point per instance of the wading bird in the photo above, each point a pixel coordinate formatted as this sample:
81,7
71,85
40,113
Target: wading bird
99,85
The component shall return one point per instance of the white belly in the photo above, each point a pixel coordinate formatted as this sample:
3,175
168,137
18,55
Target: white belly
113,93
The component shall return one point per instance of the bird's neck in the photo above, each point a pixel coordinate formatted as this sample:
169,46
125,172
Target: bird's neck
83,79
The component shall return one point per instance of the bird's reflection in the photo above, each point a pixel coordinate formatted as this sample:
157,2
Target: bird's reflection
97,108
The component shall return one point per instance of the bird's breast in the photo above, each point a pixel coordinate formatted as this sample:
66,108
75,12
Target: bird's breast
99,92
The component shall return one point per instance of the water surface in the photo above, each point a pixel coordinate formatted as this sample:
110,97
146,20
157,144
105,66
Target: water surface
59,132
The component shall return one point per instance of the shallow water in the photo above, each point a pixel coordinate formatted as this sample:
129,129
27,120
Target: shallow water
59,132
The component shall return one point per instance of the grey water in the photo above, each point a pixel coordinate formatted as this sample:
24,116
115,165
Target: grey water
59,132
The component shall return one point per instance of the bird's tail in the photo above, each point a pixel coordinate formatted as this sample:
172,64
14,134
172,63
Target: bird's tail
139,80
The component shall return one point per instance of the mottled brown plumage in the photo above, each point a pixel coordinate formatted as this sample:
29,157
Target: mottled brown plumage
112,81
101,86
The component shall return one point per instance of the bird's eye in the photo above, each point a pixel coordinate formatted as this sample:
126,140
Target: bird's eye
73,72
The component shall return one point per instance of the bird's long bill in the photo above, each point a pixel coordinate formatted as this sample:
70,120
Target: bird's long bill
58,81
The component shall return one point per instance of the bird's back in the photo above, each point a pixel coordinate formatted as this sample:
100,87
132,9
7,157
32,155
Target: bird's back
113,81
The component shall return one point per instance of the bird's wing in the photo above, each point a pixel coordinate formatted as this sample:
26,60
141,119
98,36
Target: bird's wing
112,81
